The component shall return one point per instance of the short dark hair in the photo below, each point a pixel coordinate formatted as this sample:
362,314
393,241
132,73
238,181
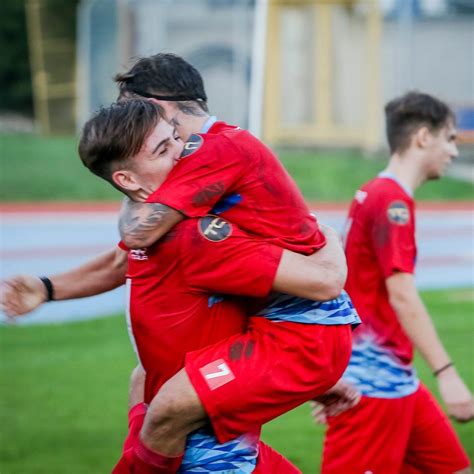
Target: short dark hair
407,114
165,74
115,134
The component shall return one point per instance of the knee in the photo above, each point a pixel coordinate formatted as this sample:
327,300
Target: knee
164,410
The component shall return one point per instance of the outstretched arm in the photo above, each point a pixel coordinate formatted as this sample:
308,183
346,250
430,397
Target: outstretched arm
318,277
141,224
23,293
417,323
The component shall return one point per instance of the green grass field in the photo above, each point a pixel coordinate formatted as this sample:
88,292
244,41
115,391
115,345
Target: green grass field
64,393
48,169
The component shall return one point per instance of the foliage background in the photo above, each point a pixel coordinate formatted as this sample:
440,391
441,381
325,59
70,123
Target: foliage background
15,74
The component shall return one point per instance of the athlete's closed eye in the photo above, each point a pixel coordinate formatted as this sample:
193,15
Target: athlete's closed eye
176,135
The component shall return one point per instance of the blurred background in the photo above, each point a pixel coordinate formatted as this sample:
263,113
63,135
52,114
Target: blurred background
316,72
309,77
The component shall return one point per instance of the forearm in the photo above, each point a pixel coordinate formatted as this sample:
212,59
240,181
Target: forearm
101,274
416,322
330,261
142,224
317,277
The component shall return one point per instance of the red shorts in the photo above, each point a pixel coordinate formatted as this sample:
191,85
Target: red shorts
249,379
272,462
393,436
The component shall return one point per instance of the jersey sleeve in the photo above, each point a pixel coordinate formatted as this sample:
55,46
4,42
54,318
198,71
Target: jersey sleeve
202,177
393,236
228,261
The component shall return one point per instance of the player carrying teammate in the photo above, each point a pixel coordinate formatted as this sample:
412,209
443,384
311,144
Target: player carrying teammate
229,168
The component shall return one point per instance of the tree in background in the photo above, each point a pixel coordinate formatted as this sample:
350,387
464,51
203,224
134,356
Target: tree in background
15,76
59,17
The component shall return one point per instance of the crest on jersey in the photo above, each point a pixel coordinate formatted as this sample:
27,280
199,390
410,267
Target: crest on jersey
398,213
193,144
214,228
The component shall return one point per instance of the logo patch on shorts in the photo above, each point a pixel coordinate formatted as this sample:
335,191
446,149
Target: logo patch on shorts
398,213
193,144
217,373
214,228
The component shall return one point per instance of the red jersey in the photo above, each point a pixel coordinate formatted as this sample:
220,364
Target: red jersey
380,241
228,171
175,286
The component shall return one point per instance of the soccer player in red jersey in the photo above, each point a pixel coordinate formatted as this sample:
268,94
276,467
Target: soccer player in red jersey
141,258
238,368
398,426
228,172
294,226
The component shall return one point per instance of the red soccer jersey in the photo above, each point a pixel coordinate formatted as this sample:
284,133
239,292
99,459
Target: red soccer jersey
175,286
380,241
229,171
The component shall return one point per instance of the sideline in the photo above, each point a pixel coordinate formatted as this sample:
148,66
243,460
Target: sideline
52,237
111,207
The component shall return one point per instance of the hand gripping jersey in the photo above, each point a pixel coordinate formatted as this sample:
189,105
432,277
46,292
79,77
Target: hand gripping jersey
175,307
380,240
230,173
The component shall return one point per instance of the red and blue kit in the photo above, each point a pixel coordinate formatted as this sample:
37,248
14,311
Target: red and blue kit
231,174
380,241
176,307
228,171
406,428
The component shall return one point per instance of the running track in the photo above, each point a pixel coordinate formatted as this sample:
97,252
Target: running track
42,239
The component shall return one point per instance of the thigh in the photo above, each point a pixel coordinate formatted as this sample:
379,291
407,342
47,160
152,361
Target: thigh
369,438
249,379
177,399
433,445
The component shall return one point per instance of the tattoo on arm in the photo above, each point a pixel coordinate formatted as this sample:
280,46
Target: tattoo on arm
139,222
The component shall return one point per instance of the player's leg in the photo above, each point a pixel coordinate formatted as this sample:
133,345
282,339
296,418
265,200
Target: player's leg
250,379
229,382
371,437
136,415
174,412
433,445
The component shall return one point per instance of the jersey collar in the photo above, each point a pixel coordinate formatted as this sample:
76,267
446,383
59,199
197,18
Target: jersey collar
208,124
388,175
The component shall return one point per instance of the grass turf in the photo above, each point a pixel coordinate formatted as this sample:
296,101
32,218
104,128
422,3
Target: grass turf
48,169
64,390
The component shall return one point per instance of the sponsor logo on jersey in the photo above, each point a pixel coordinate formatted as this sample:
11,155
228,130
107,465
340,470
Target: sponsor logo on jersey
193,144
217,373
398,213
214,228
138,254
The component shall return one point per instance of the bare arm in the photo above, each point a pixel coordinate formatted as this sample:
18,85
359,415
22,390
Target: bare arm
417,323
319,277
23,293
142,224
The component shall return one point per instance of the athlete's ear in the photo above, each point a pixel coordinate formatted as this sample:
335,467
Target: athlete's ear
125,180
422,137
